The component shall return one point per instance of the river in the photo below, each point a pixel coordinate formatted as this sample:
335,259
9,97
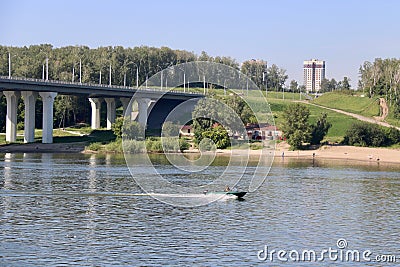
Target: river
87,210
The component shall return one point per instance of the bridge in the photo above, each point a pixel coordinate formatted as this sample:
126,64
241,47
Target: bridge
146,98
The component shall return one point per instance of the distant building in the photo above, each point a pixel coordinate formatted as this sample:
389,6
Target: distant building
314,73
263,131
186,131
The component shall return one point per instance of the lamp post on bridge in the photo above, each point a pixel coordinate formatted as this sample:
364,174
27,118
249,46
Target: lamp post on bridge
9,64
137,75
162,70
109,82
125,67
47,68
80,71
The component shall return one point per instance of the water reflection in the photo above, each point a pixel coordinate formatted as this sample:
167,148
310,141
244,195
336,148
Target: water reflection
87,210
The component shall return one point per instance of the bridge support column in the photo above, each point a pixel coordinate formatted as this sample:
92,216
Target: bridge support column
110,112
11,119
95,104
143,105
126,108
29,122
48,101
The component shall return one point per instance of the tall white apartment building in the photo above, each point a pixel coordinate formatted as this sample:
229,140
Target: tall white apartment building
314,73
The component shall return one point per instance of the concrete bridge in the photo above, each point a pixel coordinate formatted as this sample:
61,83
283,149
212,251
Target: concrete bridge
30,89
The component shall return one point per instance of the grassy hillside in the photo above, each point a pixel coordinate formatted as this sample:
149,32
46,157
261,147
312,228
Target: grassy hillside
340,122
365,106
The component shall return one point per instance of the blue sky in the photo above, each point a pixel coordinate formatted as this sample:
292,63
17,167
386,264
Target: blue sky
284,32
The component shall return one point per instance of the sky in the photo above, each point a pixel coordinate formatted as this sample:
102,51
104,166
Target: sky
344,33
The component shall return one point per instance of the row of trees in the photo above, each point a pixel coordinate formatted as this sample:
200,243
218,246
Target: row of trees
263,76
81,63
333,85
381,78
65,63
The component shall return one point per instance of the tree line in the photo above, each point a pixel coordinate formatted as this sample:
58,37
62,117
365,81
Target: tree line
271,78
382,78
114,65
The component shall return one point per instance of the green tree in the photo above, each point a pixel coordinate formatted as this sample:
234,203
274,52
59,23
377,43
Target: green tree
116,127
276,77
170,129
132,130
218,135
293,86
295,126
345,84
255,70
320,129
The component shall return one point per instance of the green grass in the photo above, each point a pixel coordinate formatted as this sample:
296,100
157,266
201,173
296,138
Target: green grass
391,120
340,122
365,106
59,136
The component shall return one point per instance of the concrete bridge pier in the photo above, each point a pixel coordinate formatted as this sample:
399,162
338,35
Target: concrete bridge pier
126,108
110,112
11,118
95,104
29,120
48,101
143,106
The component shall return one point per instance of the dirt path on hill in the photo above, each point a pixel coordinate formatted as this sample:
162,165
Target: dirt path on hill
357,116
384,110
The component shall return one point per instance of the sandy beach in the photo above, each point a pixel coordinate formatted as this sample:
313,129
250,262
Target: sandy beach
367,154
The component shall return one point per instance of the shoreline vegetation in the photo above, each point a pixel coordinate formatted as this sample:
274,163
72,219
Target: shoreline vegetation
282,151
82,139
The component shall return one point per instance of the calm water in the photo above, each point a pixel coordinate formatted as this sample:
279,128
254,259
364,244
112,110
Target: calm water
86,210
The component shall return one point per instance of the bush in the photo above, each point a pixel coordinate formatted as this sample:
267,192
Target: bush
94,146
132,130
134,146
183,144
393,135
154,145
366,134
115,146
170,144
206,144
116,127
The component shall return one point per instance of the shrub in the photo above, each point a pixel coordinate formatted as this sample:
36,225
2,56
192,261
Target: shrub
94,146
116,127
366,134
170,144
115,146
183,144
134,146
393,135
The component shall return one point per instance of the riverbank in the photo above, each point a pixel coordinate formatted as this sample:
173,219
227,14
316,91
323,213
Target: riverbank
365,154
75,147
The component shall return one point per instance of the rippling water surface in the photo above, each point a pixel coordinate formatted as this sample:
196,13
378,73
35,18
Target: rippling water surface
86,210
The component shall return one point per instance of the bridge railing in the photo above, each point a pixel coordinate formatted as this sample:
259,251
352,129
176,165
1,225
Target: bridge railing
93,85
